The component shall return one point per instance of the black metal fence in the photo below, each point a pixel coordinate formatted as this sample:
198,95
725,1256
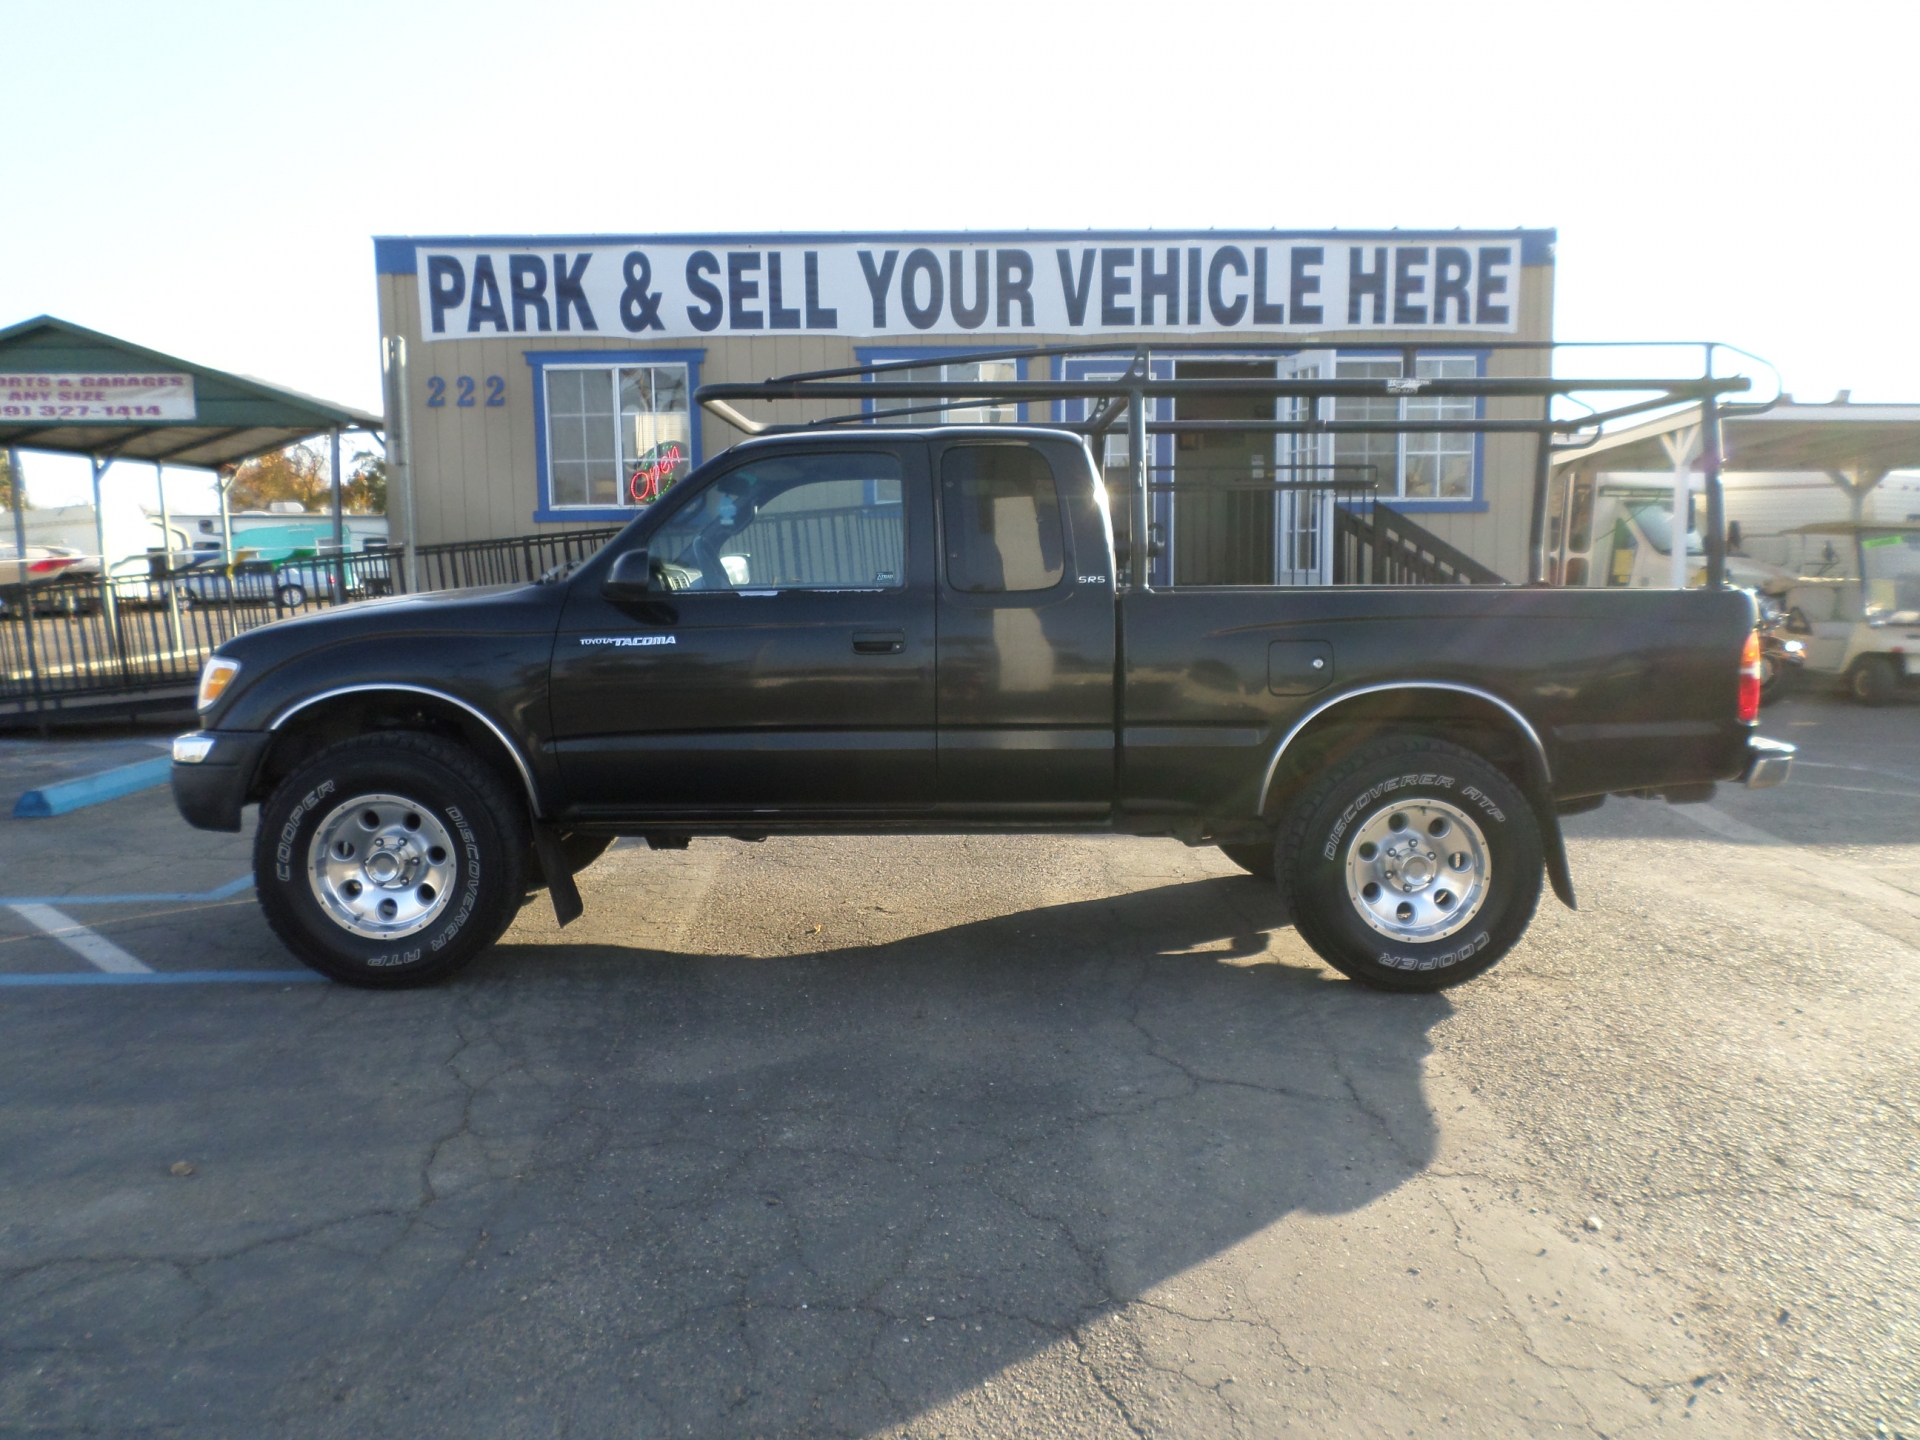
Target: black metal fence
78,643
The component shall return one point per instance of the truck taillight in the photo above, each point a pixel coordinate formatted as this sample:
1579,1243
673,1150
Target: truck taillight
1750,679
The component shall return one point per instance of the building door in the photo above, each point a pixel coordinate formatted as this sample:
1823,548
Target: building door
788,667
1251,507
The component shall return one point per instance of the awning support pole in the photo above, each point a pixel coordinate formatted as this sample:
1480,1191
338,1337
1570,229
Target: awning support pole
174,633
339,523
15,490
109,599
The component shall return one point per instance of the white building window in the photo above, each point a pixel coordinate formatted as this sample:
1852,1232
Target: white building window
1433,465
990,370
616,435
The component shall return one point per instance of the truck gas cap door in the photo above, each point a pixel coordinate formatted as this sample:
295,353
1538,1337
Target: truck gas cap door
1299,667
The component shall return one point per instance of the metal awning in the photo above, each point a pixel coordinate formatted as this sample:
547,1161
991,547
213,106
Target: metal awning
234,417
1861,439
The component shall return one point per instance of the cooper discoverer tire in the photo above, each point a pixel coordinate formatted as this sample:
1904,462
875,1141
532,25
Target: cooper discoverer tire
390,860
1412,866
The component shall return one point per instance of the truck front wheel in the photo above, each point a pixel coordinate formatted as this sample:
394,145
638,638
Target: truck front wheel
390,860
1414,865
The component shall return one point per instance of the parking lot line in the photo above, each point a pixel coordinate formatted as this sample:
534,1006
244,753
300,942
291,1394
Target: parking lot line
168,977
1834,874
96,950
224,892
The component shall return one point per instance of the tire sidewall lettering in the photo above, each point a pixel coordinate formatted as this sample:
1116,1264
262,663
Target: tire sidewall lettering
1425,779
1437,962
290,831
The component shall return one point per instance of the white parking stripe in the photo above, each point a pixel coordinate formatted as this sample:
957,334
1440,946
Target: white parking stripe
96,950
1839,875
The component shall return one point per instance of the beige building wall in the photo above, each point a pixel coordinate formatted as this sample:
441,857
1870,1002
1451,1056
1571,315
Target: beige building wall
475,470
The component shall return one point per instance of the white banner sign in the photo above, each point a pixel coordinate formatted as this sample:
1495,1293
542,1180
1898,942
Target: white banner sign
908,286
96,398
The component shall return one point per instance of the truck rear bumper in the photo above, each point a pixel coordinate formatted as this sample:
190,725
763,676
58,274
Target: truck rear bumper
209,791
1768,762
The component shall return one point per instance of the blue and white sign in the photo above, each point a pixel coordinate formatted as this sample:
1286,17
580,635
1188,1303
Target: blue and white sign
1216,283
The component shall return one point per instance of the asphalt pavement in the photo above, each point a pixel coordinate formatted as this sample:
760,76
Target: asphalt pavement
971,1137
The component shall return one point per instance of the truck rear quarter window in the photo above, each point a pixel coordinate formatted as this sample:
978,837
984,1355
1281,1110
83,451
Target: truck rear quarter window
1001,509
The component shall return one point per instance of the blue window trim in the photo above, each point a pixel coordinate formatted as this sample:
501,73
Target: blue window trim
545,511
1476,504
881,354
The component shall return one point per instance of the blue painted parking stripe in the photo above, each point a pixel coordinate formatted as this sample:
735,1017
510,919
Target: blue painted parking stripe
50,800
225,892
170,977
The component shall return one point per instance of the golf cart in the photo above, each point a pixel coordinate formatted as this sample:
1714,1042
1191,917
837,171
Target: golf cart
1855,603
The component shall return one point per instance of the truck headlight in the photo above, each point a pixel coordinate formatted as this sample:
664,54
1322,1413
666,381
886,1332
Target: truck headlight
215,678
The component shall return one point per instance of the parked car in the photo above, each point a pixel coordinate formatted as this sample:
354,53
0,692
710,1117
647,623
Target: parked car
291,583
925,631
39,567
1855,606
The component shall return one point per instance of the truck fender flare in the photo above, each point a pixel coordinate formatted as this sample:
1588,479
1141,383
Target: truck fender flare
519,760
1539,785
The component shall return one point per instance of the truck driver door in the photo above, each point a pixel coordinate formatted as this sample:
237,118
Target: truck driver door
785,665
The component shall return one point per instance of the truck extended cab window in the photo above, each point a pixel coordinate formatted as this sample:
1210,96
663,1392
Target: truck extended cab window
1002,514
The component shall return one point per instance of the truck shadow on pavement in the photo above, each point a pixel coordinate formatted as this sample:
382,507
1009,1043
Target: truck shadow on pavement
822,1193
614,1190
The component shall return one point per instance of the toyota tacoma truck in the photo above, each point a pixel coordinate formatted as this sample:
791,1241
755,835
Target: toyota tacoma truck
924,630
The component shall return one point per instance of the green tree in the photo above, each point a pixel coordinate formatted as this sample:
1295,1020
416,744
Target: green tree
297,473
367,486
6,488
304,473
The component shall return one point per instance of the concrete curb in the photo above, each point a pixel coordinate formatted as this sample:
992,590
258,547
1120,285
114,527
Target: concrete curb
51,800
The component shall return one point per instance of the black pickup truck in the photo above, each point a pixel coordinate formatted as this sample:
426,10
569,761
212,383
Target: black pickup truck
924,630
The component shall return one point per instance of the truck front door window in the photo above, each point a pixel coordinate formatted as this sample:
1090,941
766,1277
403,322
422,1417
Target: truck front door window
799,522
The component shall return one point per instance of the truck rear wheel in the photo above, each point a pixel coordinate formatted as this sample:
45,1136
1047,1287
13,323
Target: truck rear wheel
1414,865
390,860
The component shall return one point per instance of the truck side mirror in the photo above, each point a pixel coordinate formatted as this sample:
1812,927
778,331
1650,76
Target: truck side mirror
630,578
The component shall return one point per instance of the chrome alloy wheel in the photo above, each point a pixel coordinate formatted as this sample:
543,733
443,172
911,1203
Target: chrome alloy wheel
1418,871
381,866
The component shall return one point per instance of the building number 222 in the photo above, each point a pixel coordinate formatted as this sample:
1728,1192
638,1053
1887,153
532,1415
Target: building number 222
437,391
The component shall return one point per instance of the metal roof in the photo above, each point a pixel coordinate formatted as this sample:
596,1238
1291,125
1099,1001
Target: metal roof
236,417
1789,436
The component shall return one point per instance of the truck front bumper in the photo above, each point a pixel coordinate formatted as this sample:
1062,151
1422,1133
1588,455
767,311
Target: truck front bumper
1768,762
212,772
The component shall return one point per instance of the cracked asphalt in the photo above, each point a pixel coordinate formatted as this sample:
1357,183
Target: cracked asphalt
971,1137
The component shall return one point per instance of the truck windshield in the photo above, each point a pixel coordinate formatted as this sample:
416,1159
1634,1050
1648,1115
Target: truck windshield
1890,564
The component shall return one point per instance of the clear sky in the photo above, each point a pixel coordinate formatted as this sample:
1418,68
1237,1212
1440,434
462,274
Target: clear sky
205,178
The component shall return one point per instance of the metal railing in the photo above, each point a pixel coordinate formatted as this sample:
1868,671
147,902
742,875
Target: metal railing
1375,544
84,641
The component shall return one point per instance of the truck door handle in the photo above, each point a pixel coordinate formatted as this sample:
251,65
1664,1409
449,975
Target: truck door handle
879,642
